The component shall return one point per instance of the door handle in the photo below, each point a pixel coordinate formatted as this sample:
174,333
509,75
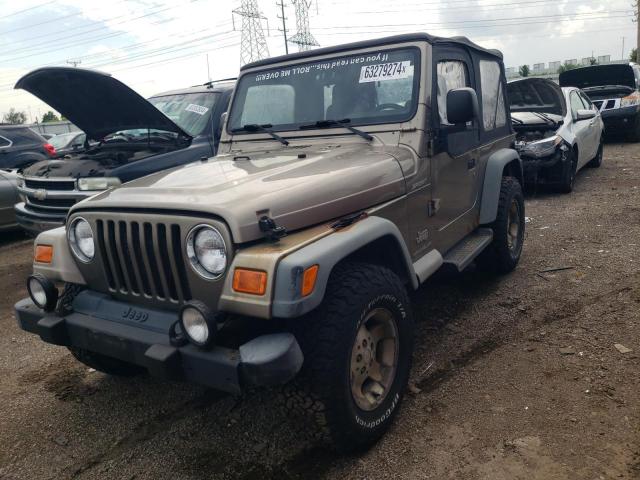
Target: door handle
471,163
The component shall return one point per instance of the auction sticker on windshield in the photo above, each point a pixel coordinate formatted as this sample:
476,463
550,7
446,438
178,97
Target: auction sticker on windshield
196,109
386,71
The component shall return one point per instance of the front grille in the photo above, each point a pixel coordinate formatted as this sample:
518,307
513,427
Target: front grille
598,104
610,104
52,202
143,259
50,184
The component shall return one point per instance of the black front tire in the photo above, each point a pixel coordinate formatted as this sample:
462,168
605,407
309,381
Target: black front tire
569,170
328,338
503,254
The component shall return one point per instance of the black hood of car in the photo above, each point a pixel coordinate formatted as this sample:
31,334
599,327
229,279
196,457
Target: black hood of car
599,76
536,95
94,101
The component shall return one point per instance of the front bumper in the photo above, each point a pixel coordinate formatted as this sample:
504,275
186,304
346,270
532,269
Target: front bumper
108,327
36,222
620,120
543,170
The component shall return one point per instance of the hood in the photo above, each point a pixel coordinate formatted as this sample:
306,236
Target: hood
94,101
599,76
536,95
297,187
63,167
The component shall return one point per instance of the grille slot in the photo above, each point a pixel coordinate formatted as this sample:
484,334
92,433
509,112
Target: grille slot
50,184
143,259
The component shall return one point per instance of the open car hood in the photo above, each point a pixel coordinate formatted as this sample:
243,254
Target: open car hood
599,76
94,101
536,95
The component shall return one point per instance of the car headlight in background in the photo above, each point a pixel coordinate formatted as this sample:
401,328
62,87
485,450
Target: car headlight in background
98,183
207,251
81,239
630,101
542,148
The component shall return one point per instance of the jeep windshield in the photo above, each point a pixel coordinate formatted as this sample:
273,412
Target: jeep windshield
363,89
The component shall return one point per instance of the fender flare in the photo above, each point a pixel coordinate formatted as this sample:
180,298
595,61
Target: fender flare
496,165
326,253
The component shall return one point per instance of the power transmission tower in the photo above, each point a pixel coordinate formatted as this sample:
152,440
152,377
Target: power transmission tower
75,63
253,45
303,37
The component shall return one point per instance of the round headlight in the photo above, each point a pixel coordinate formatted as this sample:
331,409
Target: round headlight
42,292
81,239
199,323
207,251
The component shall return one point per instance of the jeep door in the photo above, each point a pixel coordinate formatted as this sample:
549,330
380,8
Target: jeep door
454,165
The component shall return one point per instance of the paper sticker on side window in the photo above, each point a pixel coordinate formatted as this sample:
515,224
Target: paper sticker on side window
386,71
196,109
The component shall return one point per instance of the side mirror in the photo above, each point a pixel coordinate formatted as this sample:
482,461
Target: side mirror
585,115
462,106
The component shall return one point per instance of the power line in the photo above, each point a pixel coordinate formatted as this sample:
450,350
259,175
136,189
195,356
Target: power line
27,9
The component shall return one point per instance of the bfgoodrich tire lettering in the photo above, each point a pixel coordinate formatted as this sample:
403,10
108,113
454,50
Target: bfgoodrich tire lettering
328,336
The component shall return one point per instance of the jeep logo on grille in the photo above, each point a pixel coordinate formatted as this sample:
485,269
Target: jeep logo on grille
135,315
40,194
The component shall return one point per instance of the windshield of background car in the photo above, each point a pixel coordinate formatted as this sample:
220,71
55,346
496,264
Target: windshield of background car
62,140
370,88
190,111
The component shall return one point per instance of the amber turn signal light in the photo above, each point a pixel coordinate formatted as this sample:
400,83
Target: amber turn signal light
253,282
309,280
44,254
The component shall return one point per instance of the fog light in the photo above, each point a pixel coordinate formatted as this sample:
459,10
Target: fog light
42,292
198,323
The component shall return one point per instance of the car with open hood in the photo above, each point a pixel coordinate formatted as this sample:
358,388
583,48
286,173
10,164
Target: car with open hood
615,91
125,137
558,131
346,177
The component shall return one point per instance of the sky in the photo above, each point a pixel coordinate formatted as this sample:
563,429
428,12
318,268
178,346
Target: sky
159,45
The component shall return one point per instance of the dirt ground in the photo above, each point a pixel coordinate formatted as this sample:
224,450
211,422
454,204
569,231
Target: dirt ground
514,377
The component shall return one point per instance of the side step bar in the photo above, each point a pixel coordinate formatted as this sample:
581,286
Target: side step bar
468,249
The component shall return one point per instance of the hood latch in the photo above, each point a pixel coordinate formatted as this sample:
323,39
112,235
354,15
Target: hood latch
271,231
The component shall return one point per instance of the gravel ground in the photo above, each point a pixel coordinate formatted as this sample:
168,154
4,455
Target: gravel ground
514,377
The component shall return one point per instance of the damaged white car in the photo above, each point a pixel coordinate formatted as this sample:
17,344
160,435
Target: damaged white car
558,131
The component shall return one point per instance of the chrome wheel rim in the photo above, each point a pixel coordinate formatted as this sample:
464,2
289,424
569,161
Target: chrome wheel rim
513,225
374,359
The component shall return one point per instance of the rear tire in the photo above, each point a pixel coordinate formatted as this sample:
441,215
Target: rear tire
596,162
503,254
357,357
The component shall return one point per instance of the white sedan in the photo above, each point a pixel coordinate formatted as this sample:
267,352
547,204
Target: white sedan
558,131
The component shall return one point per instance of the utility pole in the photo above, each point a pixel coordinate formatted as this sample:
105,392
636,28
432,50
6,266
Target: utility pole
208,71
253,45
622,55
284,26
75,63
303,36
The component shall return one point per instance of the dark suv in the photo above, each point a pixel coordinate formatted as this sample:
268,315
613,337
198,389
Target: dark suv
20,146
127,137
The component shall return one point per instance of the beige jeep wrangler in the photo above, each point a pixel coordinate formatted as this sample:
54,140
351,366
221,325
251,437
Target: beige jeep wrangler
346,177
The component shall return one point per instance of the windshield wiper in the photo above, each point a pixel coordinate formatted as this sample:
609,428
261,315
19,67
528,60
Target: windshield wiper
337,123
254,127
545,117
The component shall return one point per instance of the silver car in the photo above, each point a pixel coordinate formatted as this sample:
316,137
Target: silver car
8,198
558,131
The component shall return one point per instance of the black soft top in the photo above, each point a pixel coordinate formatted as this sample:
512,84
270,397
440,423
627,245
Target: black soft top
407,37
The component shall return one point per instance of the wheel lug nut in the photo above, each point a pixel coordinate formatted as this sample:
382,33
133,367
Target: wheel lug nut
364,343
359,358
